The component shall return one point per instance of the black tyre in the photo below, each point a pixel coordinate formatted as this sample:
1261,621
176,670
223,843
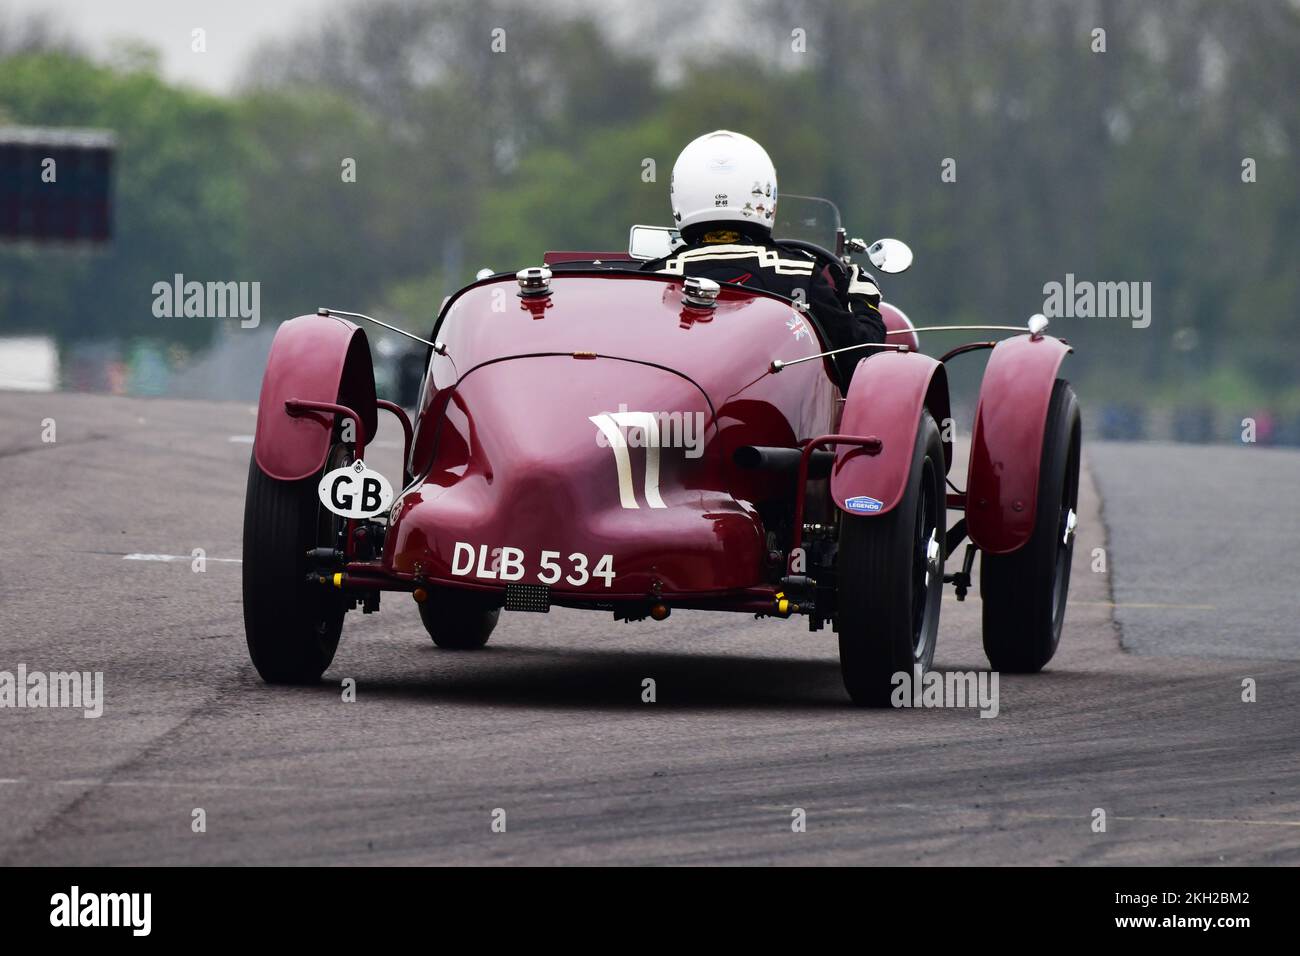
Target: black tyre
292,627
890,580
458,621
1025,592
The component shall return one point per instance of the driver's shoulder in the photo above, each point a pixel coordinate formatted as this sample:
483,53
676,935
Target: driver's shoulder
766,254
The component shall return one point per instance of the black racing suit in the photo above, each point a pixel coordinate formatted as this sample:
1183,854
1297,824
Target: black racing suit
848,316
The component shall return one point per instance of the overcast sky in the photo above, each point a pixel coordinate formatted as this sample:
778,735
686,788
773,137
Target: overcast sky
234,28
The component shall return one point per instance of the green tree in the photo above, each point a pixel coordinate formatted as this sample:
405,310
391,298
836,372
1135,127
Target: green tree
178,201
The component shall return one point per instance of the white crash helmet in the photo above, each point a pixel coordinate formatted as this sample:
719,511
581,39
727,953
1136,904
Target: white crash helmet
723,177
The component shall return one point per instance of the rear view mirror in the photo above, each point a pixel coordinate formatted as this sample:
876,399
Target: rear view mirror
651,242
890,255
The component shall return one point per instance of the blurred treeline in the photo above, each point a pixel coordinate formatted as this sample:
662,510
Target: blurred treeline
1123,165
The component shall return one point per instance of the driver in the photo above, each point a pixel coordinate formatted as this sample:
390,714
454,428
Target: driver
723,195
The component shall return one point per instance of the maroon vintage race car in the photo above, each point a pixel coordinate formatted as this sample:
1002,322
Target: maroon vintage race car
592,436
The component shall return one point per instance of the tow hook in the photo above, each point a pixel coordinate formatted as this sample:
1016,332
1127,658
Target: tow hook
783,606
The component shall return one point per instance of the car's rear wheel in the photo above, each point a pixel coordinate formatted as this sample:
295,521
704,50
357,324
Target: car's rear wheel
292,626
1025,592
458,621
890,580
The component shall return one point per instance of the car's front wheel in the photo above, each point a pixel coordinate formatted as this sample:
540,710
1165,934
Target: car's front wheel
890,580
292,626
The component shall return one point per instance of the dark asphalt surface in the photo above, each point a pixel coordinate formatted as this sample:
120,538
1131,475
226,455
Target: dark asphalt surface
548,724
1205,546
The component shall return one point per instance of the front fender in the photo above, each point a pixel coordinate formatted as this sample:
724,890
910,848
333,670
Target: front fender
1007,441
316,358
885,401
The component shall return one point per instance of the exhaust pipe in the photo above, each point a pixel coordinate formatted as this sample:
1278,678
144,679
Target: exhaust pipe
779,460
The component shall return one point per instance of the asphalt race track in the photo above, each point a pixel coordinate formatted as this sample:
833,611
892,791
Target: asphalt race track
1140,713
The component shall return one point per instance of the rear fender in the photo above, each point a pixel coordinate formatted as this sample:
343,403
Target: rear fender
1007,441
885,401
316,358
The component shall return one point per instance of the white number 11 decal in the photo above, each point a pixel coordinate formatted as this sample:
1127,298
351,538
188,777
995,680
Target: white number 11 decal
611,426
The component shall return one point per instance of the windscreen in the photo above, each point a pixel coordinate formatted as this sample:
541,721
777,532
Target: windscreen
807,218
